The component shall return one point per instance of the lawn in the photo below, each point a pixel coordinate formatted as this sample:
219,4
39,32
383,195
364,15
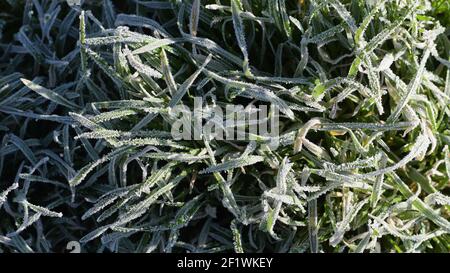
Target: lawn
94,93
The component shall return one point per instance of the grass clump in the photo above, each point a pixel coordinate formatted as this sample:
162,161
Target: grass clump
86,153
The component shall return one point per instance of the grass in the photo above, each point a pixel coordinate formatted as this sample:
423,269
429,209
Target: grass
86,154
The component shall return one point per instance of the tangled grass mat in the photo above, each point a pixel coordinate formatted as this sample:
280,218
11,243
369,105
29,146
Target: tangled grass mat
87,155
